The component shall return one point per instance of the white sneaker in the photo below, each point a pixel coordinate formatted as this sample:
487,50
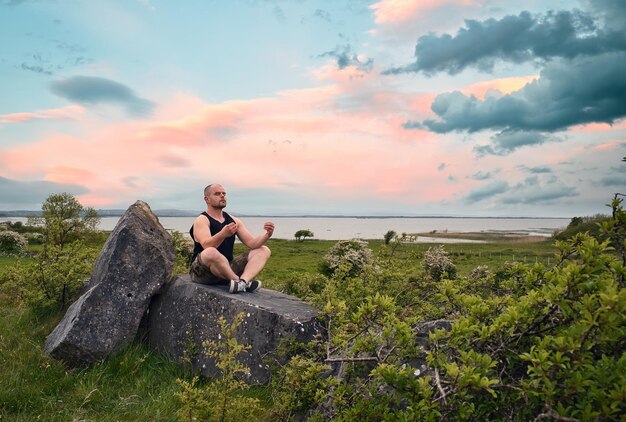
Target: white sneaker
237,286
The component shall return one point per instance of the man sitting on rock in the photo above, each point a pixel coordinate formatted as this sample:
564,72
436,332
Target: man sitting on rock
213,233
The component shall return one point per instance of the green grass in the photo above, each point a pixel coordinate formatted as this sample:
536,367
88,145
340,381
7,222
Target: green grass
467,256
135,384
6,261
290,257
139,385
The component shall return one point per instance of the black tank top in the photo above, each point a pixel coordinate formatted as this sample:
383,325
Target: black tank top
226,248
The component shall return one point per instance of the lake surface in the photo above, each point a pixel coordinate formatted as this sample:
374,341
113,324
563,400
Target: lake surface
341,228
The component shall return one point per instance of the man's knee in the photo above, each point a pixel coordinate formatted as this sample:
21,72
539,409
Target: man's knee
210,255
267,250
263,251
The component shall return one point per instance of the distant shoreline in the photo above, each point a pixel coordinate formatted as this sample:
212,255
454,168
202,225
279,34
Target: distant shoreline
344,227
169,213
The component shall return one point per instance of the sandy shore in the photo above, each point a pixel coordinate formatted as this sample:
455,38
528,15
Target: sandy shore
478,237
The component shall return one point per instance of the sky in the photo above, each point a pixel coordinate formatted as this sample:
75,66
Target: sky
336,107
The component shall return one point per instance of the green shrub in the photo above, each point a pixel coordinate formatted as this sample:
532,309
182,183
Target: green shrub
524,342
220,400
16,287
300,387
588,225
55,278
18,226
34,238
65,260
12,243
183,249
305,285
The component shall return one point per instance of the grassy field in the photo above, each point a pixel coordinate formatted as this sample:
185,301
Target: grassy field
138,385
290,257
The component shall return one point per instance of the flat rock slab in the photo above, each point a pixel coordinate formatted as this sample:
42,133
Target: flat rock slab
186,314
135,262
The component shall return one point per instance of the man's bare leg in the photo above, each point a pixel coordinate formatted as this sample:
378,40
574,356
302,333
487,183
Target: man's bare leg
218,264
256,261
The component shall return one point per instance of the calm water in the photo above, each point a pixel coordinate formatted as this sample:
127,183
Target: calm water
336,228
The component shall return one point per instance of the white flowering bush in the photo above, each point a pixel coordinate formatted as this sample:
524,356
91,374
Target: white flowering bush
351,255
438,264
12,243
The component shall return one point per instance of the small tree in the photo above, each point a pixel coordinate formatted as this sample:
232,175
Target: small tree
389,236
395,241
65,262
300,235
219,400
64,219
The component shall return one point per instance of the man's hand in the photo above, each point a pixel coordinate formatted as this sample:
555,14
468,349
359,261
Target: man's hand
269,228
230,229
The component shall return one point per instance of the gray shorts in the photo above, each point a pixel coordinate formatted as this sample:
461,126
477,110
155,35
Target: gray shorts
203,275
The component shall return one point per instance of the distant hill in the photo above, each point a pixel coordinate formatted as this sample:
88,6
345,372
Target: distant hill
187,213
19,213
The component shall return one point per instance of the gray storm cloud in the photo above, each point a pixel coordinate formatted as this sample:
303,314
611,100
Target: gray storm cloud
517,39
486,191
535,191
90,90
507,141
532,190
583,59
567,93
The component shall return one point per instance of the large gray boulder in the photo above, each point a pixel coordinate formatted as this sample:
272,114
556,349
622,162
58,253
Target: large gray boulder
135,262
186,314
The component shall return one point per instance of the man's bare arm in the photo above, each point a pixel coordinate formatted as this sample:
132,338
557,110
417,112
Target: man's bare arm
250,240
202,233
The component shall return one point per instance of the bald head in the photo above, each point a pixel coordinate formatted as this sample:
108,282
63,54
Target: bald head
215,196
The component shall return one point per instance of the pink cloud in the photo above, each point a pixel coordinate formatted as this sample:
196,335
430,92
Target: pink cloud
609,146
65,174
97,201
404,20
344,136
207,124
397,11
498,86
68,112
600,127
331,72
